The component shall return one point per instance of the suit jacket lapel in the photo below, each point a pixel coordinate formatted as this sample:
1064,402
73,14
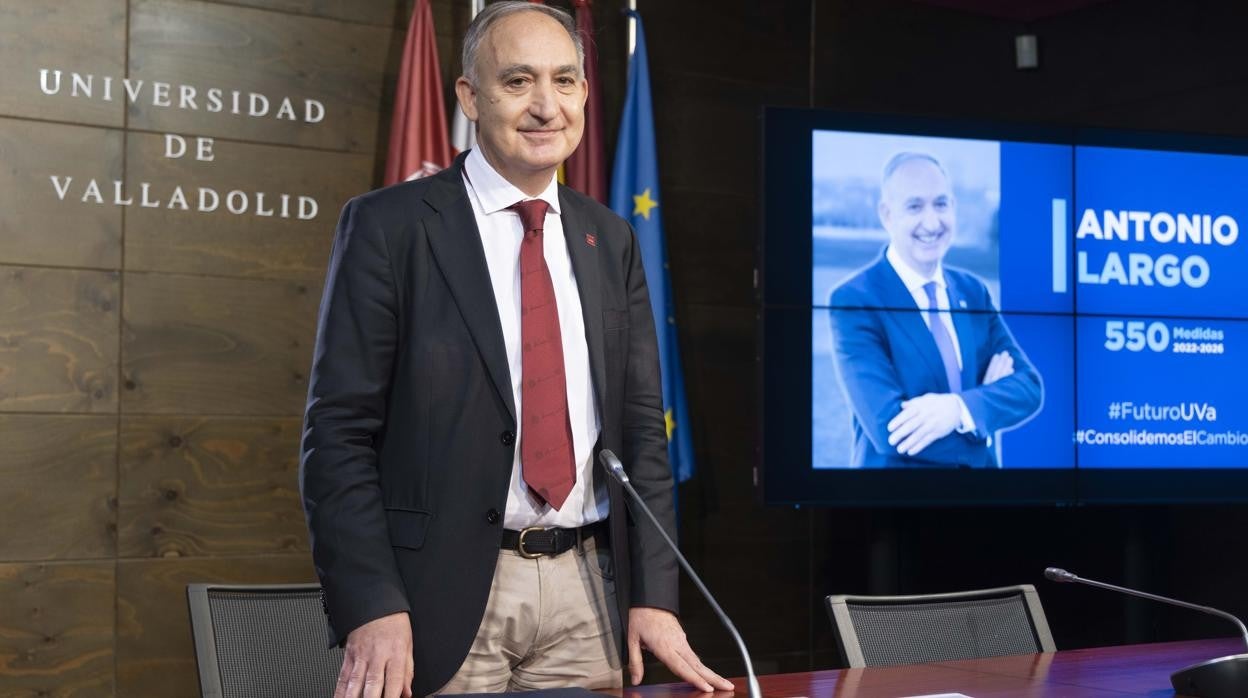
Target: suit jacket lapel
901,305
456,244
584,256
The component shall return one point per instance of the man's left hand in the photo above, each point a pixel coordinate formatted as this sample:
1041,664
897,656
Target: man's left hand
659,631
923,420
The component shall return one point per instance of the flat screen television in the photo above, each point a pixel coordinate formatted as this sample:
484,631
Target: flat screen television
962,313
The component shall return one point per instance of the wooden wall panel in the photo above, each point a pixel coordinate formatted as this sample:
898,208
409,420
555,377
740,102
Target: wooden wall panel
155,653
206,46
203,345
56,629
701,117
58,340
209,486
219,312
227,244
775,572
708,233
380,12
742,41
83,36
40,517
37,226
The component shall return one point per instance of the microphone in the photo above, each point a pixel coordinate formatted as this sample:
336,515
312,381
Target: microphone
616,469
1224,677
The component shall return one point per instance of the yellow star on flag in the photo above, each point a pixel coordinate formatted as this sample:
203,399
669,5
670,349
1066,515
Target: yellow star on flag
643,203
671,423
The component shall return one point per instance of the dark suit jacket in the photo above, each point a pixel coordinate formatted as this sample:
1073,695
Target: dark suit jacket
410,423
885,354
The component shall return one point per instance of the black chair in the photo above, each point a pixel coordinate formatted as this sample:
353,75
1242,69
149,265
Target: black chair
261,641
890,630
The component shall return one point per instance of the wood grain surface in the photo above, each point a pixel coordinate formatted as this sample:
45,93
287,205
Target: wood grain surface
83,36
56,629
155,653
57,486
227,244
379,12
210,324
206,46
204,345
209,486
37,225
58,340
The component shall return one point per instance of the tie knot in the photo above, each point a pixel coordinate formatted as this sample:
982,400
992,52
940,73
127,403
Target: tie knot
930,287
532,214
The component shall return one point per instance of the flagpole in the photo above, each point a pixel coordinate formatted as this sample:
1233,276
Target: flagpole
632,29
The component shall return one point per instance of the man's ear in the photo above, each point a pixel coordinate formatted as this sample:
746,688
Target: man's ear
467,96
882,211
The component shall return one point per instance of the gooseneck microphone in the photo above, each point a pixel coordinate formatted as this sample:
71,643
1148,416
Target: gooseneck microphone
1224,677
616,469
1057,574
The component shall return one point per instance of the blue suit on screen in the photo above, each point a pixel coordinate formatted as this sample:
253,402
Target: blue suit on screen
885,354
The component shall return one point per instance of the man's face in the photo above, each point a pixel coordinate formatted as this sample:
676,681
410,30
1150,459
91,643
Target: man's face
529,98
917,210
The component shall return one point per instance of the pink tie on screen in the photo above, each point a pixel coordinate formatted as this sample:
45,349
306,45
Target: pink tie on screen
546,460
948,355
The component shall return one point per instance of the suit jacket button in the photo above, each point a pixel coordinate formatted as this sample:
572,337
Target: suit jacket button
508,438
492,516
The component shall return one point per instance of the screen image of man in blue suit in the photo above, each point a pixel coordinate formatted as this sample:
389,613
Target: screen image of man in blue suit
927,363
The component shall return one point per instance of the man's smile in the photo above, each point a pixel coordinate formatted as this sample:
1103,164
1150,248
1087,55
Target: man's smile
540,134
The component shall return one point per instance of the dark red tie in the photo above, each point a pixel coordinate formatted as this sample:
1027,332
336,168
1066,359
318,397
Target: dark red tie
546,435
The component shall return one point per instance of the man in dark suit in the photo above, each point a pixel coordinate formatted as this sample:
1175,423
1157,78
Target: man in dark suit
928,365
483,334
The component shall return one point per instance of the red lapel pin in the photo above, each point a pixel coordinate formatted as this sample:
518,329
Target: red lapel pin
591,240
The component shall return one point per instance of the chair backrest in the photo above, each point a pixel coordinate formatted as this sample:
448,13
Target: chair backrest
892,630
261,641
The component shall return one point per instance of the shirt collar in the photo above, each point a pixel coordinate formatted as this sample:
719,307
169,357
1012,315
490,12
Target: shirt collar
495,193
913,280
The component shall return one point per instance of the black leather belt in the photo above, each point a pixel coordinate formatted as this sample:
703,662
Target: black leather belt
536,541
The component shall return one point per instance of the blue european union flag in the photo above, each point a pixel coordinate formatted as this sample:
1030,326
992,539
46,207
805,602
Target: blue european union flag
635,197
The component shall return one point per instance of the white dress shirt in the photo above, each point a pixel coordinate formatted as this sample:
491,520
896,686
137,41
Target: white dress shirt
501,235
915,282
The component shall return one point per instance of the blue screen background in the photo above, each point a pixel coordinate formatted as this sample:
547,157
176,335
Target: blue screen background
1184,389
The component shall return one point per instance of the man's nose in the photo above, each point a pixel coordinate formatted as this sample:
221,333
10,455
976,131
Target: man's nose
931,220
544,103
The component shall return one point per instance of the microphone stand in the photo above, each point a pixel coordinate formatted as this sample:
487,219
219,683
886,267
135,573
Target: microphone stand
1223,677
616,469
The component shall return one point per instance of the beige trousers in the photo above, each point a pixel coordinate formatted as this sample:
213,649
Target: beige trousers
550,622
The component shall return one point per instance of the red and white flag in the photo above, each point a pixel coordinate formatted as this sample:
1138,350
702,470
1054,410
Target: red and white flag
418,142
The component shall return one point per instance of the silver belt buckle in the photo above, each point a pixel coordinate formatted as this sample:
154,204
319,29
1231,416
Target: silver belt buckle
520,543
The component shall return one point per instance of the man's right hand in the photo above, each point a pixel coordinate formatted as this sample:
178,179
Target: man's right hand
378,660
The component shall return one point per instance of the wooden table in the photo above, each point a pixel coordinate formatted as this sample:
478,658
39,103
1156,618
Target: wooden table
1130,670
